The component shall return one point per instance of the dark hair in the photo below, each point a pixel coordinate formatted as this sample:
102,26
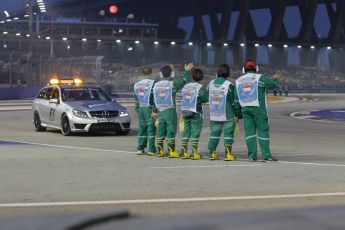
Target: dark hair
223,71
166,71
147,71
197,74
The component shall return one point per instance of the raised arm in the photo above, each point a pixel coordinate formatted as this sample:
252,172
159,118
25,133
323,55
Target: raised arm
178,84
269,84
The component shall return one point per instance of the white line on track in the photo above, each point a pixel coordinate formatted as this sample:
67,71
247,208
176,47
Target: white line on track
68,147
202,166
309,163
16,104
169,200
5,108
298,163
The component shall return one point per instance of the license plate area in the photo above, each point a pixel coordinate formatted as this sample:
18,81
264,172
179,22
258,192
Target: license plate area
106,121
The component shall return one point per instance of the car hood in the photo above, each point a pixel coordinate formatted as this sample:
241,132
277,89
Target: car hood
95,105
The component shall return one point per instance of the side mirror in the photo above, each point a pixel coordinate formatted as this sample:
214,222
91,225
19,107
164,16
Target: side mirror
54,101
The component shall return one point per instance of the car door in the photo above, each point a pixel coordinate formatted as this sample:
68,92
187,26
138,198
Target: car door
56,109
44,107
37,107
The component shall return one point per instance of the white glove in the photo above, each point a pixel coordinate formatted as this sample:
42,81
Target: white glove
188,67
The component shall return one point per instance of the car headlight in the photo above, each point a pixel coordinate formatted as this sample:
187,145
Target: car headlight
79,113
124,113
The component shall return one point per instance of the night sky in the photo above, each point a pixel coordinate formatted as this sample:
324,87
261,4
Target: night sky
261,19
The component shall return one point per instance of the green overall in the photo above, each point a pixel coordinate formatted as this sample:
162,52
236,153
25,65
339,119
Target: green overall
146,125
193,125
167,125
228,126
256,121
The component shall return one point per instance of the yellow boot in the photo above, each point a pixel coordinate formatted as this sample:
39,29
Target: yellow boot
174,154
184,148
185,156
229,157
161,154
160,148
213,156
196,156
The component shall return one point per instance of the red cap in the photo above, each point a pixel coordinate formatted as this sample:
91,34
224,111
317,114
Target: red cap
250,64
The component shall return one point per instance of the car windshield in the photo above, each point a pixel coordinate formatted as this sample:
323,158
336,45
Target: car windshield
84,94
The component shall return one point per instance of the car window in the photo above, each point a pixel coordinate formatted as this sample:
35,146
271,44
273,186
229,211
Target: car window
48,93
42,93
97,94
55,94
84,94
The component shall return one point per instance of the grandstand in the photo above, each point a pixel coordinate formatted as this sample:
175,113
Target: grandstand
303,39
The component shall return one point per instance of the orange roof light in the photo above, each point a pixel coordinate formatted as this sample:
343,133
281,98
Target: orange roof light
75,81
54,81
67,81
78,81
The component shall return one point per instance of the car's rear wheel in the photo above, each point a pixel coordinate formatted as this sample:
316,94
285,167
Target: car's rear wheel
37,123
65,126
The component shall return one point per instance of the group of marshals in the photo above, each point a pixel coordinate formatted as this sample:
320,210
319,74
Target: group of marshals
228,102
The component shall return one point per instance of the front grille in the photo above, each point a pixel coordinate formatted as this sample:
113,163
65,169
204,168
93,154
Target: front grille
104,113
105,127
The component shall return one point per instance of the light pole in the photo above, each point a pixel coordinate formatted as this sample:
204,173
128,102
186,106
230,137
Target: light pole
200,48
52,38
11,58
29,60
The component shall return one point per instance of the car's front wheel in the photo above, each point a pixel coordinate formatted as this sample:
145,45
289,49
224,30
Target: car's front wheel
37,123
65,126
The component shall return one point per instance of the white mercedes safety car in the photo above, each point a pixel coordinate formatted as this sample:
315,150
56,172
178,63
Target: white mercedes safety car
71,106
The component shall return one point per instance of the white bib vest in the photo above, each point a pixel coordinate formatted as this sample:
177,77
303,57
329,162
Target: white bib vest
143,90
217,100
247,89
190,94
162,92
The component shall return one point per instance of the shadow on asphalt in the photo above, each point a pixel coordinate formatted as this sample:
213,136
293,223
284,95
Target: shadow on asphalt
95,134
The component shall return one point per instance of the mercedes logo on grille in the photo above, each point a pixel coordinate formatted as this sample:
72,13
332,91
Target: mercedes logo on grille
105,114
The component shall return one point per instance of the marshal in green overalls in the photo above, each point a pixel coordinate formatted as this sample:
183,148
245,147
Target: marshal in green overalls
221,100
194,95
250,99
165,100
144,106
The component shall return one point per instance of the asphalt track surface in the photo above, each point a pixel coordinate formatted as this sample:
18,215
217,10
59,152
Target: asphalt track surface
48,173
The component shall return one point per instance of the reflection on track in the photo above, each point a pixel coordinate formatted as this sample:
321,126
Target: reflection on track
2,142
326,115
